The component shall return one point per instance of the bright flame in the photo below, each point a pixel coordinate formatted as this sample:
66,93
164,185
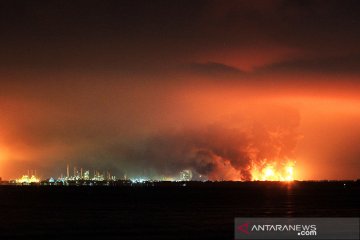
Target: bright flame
27,179
273,172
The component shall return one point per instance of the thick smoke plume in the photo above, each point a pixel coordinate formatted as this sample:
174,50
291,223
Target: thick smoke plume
221,152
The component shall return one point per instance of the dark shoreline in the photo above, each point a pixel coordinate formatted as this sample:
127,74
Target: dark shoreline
128,183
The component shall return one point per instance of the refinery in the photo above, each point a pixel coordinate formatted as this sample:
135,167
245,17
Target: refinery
82,177
78,176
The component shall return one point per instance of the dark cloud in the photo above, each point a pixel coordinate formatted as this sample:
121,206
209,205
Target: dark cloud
144,36
349,64
343,64
213,68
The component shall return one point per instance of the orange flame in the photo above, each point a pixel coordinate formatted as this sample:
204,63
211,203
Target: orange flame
27,179
273,171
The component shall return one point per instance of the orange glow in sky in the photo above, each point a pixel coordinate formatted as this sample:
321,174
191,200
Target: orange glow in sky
41,135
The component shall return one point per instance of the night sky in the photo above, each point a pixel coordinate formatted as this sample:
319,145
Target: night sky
149,88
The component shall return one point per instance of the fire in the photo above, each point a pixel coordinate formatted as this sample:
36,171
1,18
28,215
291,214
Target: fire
273,172
26,179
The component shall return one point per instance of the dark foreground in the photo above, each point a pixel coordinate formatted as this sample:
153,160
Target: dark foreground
197,211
